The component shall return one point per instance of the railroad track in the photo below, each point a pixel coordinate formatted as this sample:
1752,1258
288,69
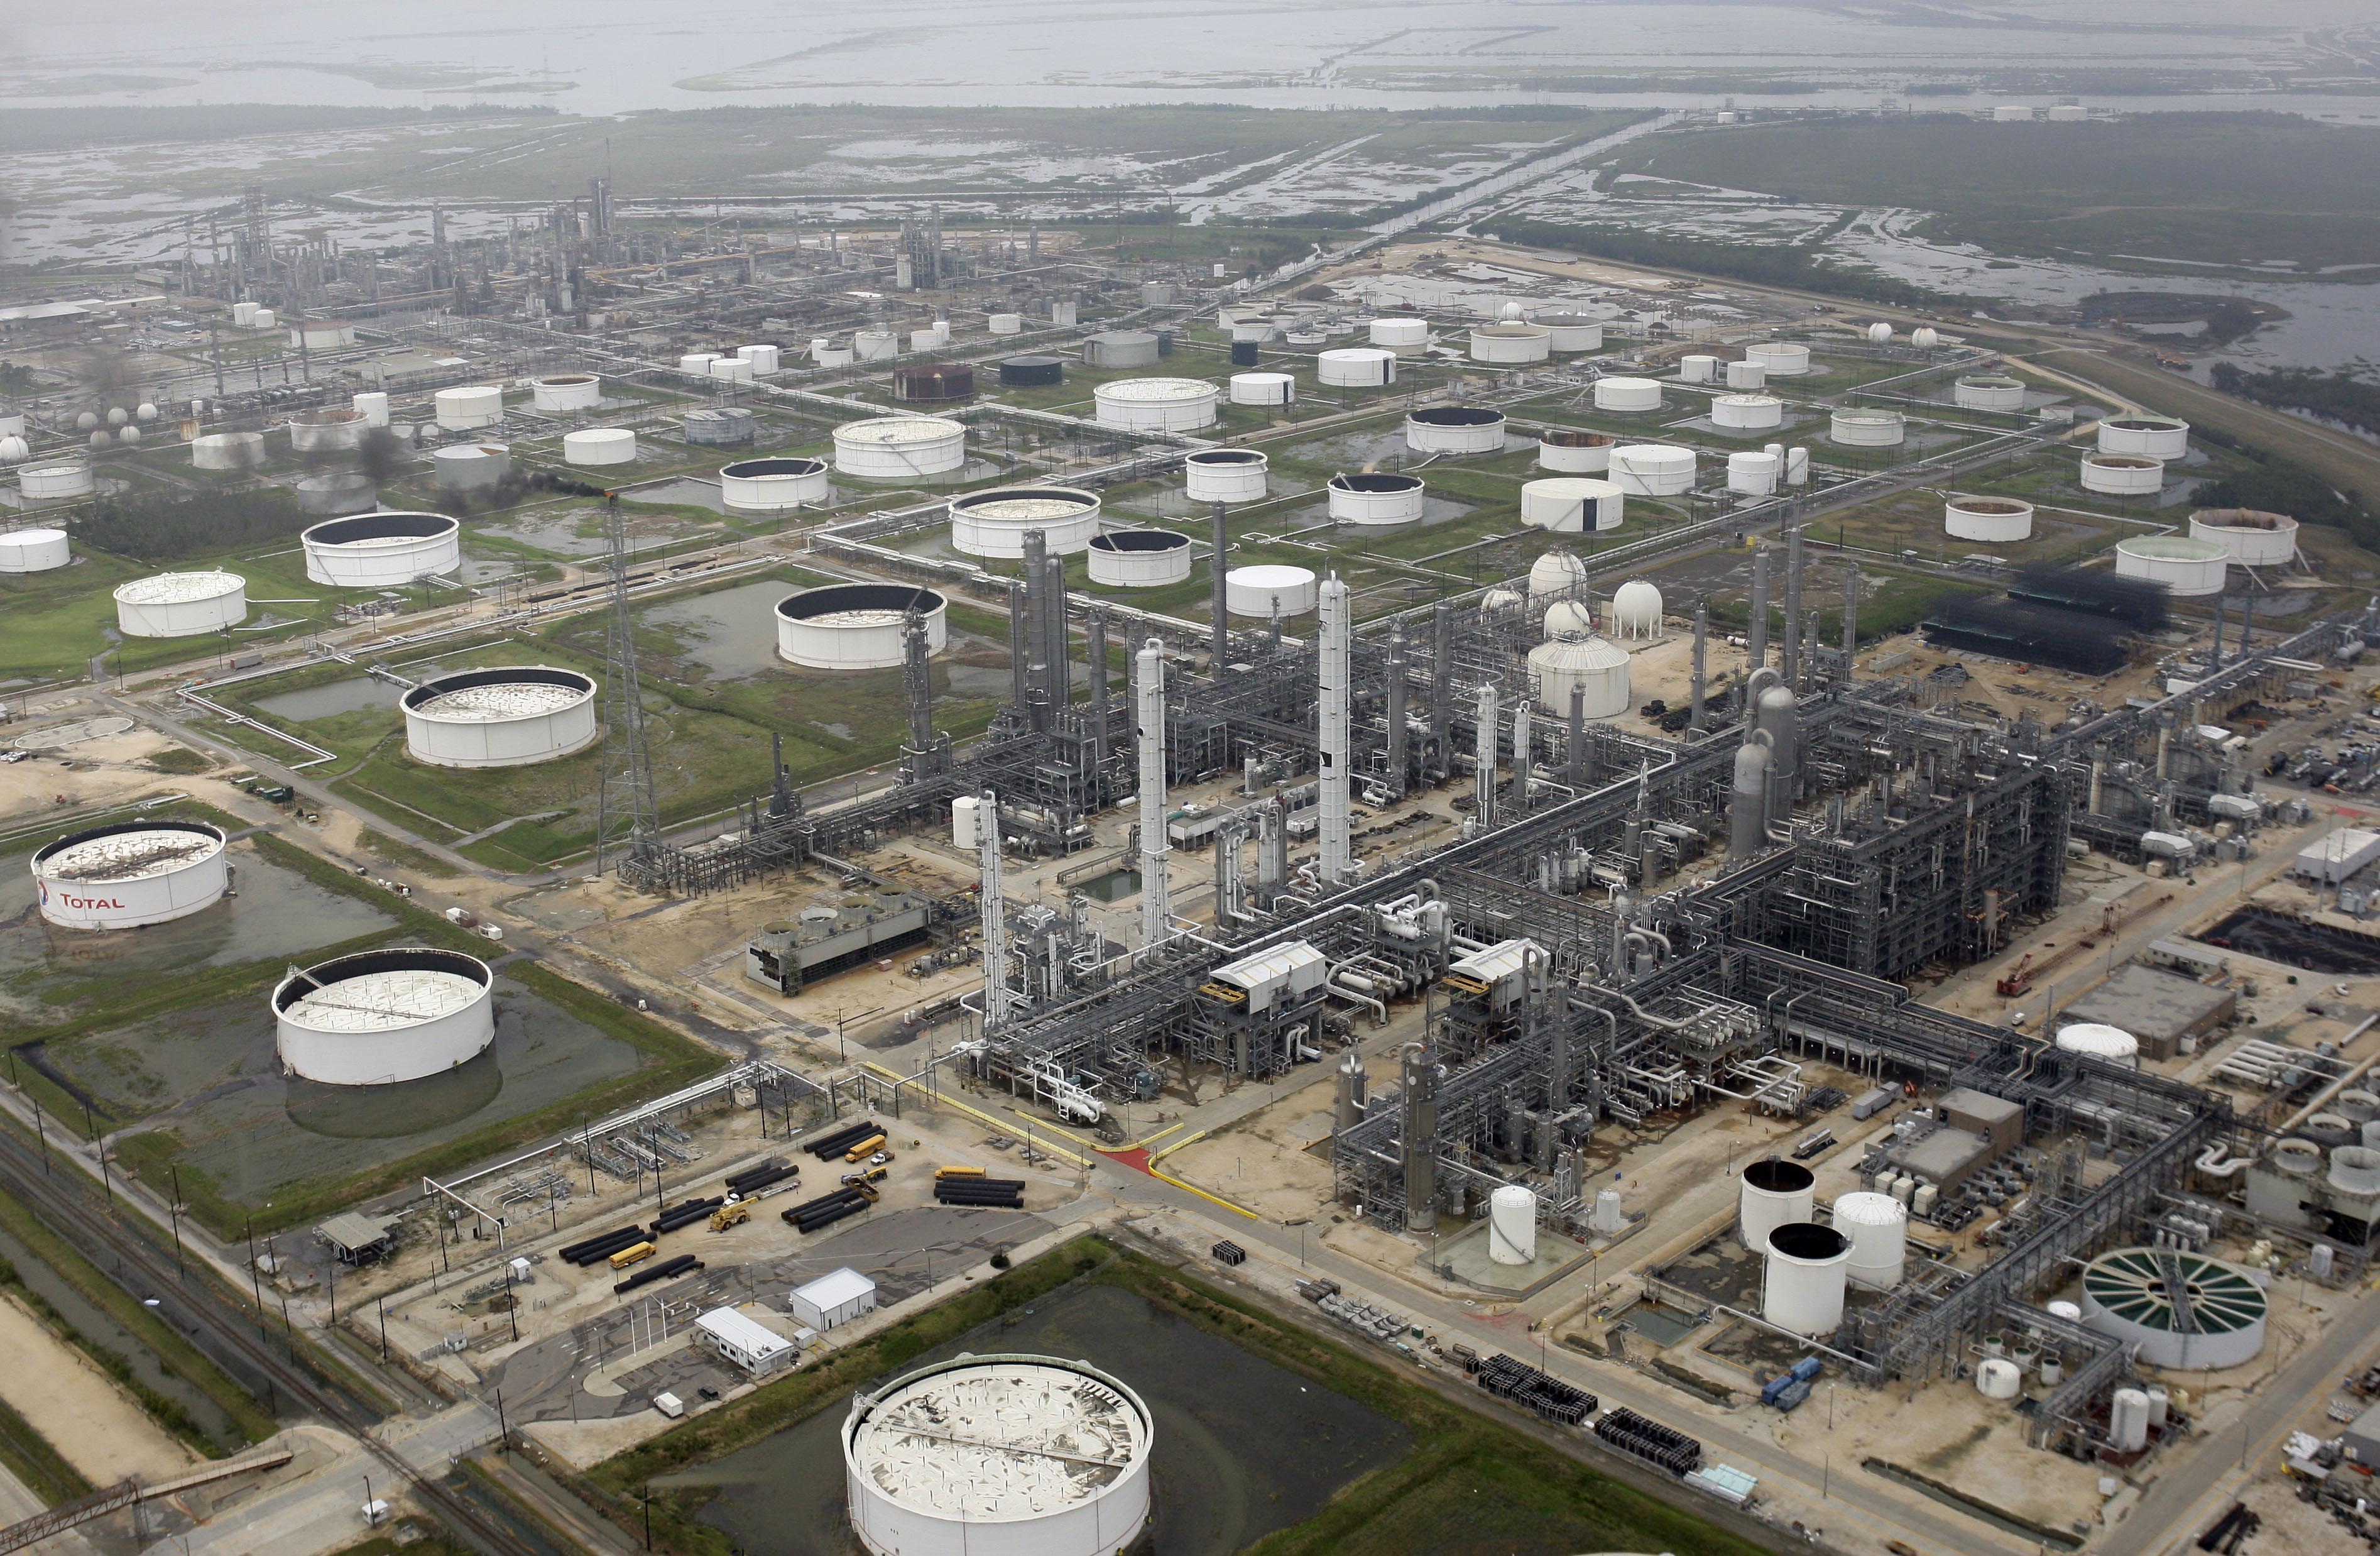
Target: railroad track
236,1337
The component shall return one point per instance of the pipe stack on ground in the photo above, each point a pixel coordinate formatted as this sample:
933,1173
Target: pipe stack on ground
776,1170
999,1193
683,1264
687,1212
601,1248
826,1209
842,1140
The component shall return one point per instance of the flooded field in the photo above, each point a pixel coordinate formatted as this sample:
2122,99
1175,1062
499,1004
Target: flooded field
733,633
351,696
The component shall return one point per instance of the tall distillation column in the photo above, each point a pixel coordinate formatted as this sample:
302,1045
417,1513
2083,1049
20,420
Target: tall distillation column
1149,738
1337,632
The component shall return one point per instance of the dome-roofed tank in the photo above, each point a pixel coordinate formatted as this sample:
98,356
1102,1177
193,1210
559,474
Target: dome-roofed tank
1555,573
1572,618
1591,663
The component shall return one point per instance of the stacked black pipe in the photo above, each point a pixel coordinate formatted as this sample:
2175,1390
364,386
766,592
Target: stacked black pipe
687,1212
1651,1442
1532,1390
1000,1194
775,1169
660,1269
593,1249
842,1140
824,1210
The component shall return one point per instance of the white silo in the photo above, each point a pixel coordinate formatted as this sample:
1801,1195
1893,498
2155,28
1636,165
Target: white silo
1005,323
1698,369
1803,1284
1510,342
1513,1225
1772,1193
1628,396
228,451
1636,610
1356,367
377,1017
1998,1378
1988,391
1797,465
1571,331
1610,1217
1867,429
1754,473
374,404
599,445
767,360
327,432
1262,389
2128,1420
34,551
1571,504
1596,665
735,370
1265,590
1877,1225
1747,413
567,392
1554,574
697,363
1401,336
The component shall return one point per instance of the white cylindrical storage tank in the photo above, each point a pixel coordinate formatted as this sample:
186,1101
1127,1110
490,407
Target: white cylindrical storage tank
599,445
1628,394
1747,374
1122,348
772,485
1754,473
1595,663
180,604
874,346
899,447
1867,429
1802,1286
566,391
1571,332
1747,413
1698,369
993,523
698,362
267,318
1575,452
731,370
1006,324
2187,567
1455,429
1636,610
228,451
1988,391
2123,475
1926,337
1263,389
924,340
2096,1041
2011,113
1779,358
766,359
131,874
1376,499
1653,469
1998,1378
1554,574
470,466
858,626
1224,475
55,478
1266,588
33,550
718,426
1401,336
1797,465
474,405
957,1457
2251,538
379,1017
2155,437
1877,1225
1356,367
1510,342
1879,334
243,315
382,550
1999,520
1772,1193
1513,1225
1140,558
1172,404
2127,1410
374,404
827,354
326,431
505,717
1571,504
1610,1217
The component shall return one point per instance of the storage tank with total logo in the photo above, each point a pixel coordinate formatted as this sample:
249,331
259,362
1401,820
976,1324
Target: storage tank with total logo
858,626
382,1018
130,873
993,523
382,550
509,716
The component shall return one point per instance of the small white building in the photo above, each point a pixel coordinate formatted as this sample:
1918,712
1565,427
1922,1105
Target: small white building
2337,857
832,1299
746,1342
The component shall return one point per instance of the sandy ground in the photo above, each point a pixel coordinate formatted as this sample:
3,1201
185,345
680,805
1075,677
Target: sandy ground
92,1422
108,771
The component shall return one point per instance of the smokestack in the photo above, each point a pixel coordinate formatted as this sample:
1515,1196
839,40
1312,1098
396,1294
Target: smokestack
1792,663
996,993
1338,646
1489,711
1398,736
1702,654
1851,622
1148,735
1060,653
1755,637
1218,650
1097,656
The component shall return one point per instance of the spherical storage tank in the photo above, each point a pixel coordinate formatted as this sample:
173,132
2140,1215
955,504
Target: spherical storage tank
379,1017
2187,567
1399,334
719,427
1779,358
1772,1193
33,550
998,1454
1877,1225
1510,341
566,391
898,447
1803,1283
2123,475
1754,473
1375,499
510,716
1512,1225
599,445
1139,558
858,626
470,466
1575,453
1455,429
1988,391
1653,469
1262,389
1224,475
1595,664
2252,539
472,405
180,604
382,550
2155,437
1356,367
327,432
1879,334
2094,1040
1868,428
772,485
53,478
1636,610
993,523
2000,520
131,874
1571,504
1172,404
2213,1318
1627,394
228,451
1747,413
1267,589
1926,337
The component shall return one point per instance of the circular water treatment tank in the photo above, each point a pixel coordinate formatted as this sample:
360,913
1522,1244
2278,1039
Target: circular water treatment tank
469,408
1140,558
1119,348
1747,413
1573,451
1268,588
1999,520
1779,358
2153,437
772,485
1513,1225
1356,367
1867,429
1509,342
858,626
1032,372
1571,504
327,432
1636,609
1802,1286
2123,475
341,492
2182,1309
1653,469
382,550
470,466
567,392
1455,429
934,384
131,874
1172,404
379,1017
1376,499
1988,391
599,445
33,550
2094,1040
1571,331
1262,389
1772,1193
1399,334
509,716
181,604
1224,475
1007,1455
1627,395
1877,1225
50,479
1699,367
993,523
2253,539
2185,566
1754,473
1747,374
899,447
720,427
1598,667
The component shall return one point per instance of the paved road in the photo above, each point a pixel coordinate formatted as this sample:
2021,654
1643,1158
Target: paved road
325,1509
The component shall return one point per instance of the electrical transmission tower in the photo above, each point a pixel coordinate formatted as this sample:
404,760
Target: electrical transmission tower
628,819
